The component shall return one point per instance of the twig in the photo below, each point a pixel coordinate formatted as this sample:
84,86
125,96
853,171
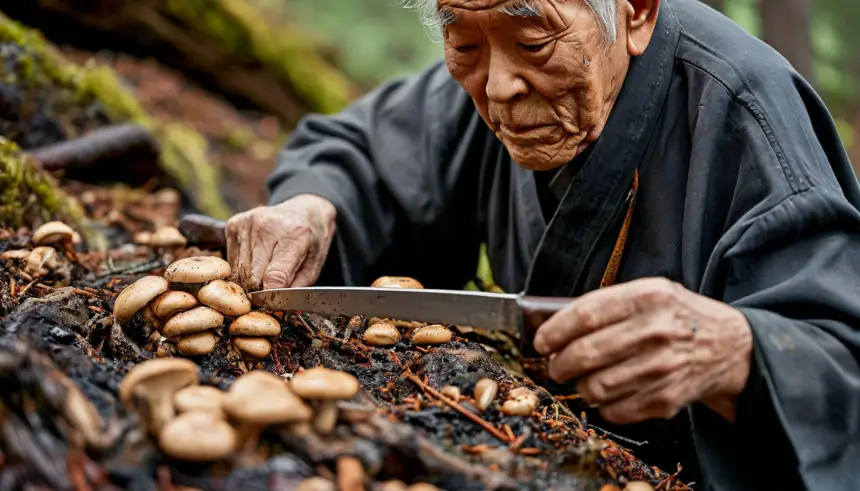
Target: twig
477,419
617,436
27,288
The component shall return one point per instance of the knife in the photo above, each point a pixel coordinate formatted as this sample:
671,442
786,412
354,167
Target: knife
516,314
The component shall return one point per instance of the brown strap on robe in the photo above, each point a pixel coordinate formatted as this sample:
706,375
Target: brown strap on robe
611,271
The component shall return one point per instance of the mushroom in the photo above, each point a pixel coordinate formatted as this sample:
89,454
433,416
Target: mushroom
14,254
381,334
195,320
255,324
259,398
83,416
422,486
53,232
225,297
316,483
197,269
149,388
326,386
397,282
165,240
200,398
521,402
394,485
171,303
451,391
144,237
40,261
638,486
256,347
433,334
485,392
196,344
136,296
197,436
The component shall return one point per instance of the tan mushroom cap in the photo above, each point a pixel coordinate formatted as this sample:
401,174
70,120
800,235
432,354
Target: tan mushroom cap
256,347
434,334
197,436
172,302
135,296
422,486
316,483
523,393
225,297
485,392
255,324
177,372
518,407
167,237
323,383
261,397
197,344
381,334
197,269
451,391
638,486
52,232
143,237
195,320
14,254
397,282
40,260
199,398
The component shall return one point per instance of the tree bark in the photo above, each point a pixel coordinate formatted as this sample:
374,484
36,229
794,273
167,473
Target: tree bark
717,4
785,26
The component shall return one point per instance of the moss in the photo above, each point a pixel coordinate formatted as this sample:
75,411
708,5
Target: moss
290,54
73,89
484,274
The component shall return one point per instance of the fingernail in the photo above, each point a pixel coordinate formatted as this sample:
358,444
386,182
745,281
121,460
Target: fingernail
540,345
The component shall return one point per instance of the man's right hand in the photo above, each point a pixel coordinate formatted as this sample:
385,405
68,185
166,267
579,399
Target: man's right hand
281,246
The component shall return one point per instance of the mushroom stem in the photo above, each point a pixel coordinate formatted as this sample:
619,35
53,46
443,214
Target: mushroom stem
155,409
248,436
326,417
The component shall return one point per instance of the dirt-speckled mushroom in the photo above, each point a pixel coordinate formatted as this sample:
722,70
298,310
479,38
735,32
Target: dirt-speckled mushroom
171,303
433,334
255,324
149,388
195,320
201,398
197,344
197,270
259,398
381,334
325,386
397,282
485,392
316,483
137,295
52,233
638,486
197,436
256,347
225,297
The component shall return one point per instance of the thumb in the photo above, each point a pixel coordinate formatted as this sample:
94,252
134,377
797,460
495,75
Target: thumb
287,256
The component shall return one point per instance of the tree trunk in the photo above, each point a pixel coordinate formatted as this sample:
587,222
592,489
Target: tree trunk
717,4
785,26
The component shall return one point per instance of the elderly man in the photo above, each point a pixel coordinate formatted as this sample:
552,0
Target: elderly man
647,157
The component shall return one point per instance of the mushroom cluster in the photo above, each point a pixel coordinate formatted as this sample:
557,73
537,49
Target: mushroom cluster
51,241
195,422
190,303
384,332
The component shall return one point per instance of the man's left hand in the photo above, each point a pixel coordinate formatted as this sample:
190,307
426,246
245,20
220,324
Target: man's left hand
648,348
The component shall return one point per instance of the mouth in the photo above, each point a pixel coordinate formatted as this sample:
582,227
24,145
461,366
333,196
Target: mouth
542,133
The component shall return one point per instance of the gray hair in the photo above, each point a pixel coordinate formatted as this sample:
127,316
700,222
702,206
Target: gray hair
432,18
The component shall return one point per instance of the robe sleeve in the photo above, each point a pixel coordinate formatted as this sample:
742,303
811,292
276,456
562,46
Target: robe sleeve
399,166
790,265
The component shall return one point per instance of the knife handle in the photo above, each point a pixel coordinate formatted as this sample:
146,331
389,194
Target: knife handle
536,310
204,232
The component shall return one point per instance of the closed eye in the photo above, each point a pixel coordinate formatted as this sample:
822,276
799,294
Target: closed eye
533,48
465,48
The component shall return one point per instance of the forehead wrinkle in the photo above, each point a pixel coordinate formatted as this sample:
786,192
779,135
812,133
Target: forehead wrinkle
522,8
518,8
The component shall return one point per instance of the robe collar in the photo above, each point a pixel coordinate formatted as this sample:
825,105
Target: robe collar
591,198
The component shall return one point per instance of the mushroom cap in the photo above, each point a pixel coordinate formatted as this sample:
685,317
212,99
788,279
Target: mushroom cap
638,486
197,436
434,334
518,407
316,483
523,394
197,269
39,258
144,237
324,383
255,324
485,392
195,320
52,232
167,237
256,347
14,254
422,486
381,334
197,344
199,398
135,296
225,297
397,282
170,373
451,391
261,397
171,302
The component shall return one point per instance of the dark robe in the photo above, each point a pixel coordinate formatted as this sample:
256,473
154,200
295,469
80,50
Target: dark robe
745,195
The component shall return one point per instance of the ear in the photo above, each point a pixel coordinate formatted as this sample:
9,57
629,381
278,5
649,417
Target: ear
640,17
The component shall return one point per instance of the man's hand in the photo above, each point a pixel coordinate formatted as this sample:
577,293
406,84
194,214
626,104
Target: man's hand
283,245
647,348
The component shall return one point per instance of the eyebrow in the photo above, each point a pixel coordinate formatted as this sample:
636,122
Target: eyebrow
521,8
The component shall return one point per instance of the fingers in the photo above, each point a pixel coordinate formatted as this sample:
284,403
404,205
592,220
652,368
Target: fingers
232,233
287,256
622,380
660,399
600,308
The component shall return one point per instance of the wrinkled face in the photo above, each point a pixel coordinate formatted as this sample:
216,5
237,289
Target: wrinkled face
540,73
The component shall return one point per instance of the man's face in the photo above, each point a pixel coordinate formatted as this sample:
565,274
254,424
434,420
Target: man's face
539,72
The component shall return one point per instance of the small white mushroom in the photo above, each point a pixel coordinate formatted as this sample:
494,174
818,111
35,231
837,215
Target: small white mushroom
485,392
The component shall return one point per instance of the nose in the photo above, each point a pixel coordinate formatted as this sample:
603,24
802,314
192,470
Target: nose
504,81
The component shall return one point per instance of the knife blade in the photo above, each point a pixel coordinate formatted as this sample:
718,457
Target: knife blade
517,314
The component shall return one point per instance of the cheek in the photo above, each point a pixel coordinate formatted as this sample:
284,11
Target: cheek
473,79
